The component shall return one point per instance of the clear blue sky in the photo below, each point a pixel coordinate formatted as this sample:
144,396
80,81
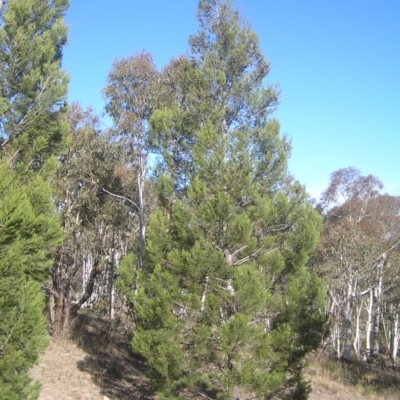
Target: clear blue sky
337,62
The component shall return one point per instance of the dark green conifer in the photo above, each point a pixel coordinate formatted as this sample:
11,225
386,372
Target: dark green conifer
29,233
226,306
32,132
33,88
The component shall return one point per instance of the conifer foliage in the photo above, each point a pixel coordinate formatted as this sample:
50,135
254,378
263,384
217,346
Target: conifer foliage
32,133
225,306
29,233
33,88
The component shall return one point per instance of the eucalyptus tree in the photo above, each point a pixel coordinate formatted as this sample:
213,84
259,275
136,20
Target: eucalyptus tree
92,221
355,256
132,93
226,306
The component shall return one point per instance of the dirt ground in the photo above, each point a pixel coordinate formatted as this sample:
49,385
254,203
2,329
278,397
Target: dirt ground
94,363
61,378
69,373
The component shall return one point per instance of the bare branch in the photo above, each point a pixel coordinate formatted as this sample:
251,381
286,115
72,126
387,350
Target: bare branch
13,156
386,251
239,250
121,197
245,259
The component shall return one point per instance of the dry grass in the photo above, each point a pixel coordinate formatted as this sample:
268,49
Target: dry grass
333,379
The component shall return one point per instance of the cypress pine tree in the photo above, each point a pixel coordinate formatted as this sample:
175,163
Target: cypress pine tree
29,233
32,132
32,87
226,306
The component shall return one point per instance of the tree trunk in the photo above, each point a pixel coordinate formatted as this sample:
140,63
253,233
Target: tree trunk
377,306
51,306
368,327
67,299
357,341
87,266
386,329
111,310
377,316
111,288
60,298
338,344
376,322
141,205
67,308
204,295
394,335
348,327
89,286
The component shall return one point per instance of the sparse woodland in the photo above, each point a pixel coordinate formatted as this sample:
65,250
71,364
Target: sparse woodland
182,219
358,257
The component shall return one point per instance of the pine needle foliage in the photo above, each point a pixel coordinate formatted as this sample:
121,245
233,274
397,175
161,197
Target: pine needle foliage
33,88
29,233
226,307
33,132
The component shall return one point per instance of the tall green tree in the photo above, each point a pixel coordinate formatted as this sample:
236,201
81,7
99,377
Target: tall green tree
132,93
33,131
33,88
226,308
29,234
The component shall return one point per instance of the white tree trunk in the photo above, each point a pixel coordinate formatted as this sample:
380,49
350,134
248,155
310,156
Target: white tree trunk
394,334
111,288
357,341
377,307
338,344
368,327
348,327
141,204
204,295
377,316
117,254
87,266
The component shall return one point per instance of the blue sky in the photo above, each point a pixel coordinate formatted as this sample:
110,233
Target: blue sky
337,63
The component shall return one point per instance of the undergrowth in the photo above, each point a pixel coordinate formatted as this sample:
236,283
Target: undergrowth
378,380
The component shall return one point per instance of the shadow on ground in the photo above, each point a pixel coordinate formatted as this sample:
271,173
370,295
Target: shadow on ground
119,373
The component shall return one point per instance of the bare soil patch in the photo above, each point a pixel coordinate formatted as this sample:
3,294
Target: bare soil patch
93,363
61,379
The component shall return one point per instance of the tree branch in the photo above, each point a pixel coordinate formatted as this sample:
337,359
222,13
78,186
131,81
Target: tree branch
243,260
386,251
121,197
